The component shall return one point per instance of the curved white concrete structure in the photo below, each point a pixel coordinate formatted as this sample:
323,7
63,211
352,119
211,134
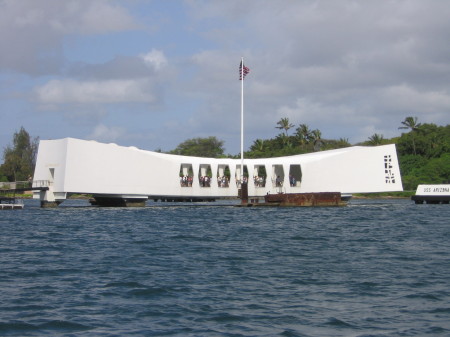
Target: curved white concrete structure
79,166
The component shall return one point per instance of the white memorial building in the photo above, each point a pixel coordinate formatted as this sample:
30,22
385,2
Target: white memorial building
118,175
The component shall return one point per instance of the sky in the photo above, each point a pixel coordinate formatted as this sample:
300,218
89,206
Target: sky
154,73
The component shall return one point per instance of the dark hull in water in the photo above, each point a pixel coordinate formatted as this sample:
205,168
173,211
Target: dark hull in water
318,199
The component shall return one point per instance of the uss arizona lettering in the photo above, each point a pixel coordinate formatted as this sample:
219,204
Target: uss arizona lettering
441,189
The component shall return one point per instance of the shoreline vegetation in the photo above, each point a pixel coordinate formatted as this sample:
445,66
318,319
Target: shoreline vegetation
384,195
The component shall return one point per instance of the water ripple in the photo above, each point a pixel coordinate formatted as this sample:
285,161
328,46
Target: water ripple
374,268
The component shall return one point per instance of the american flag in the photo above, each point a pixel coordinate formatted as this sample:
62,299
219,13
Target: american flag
243,71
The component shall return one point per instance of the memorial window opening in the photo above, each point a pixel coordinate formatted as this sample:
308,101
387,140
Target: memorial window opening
205,175
223,176
295,175
186,175
277,176
259,176
241,177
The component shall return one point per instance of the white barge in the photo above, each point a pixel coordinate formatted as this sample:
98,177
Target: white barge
432,194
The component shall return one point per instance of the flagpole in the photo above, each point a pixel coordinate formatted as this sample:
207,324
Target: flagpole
242,120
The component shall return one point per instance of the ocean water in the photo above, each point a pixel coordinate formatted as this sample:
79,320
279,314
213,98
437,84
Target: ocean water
373,268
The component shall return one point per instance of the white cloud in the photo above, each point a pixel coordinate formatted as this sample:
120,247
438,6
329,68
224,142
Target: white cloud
155,59
88,17
111,91
430,106
101,16
32,32
104,133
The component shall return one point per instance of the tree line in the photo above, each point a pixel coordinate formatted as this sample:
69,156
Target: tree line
423,150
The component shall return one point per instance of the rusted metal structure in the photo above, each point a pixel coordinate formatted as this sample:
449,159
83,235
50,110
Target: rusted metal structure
305,199
298,200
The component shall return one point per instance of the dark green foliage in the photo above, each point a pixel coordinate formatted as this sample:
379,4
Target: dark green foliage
20,158
376,140
331,144
209,147
410,162
3,178
424,154
432,171
430,141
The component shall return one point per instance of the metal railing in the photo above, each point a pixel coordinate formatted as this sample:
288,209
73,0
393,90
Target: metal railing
21,185
42,183
14,185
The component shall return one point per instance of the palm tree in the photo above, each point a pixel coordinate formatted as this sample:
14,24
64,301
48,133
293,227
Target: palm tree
258,145
376,139
411,123
303,134
316,138
284,124
284,139
343,142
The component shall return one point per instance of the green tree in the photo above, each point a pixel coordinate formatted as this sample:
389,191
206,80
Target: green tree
409,163
431,141
284,139
303,134
258,145
343,142
20,158
432,171
284,124
411,124
330,144
316,139
376,139
209,147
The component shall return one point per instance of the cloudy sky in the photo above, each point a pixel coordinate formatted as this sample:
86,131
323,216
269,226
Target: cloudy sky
153,73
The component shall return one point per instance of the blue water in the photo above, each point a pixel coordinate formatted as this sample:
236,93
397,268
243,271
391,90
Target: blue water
373,268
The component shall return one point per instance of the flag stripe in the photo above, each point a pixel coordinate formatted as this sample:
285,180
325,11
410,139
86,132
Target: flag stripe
243,71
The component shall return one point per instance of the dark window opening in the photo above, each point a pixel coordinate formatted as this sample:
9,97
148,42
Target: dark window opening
295,175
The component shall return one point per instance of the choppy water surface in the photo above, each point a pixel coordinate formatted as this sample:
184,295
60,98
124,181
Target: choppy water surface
373,268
